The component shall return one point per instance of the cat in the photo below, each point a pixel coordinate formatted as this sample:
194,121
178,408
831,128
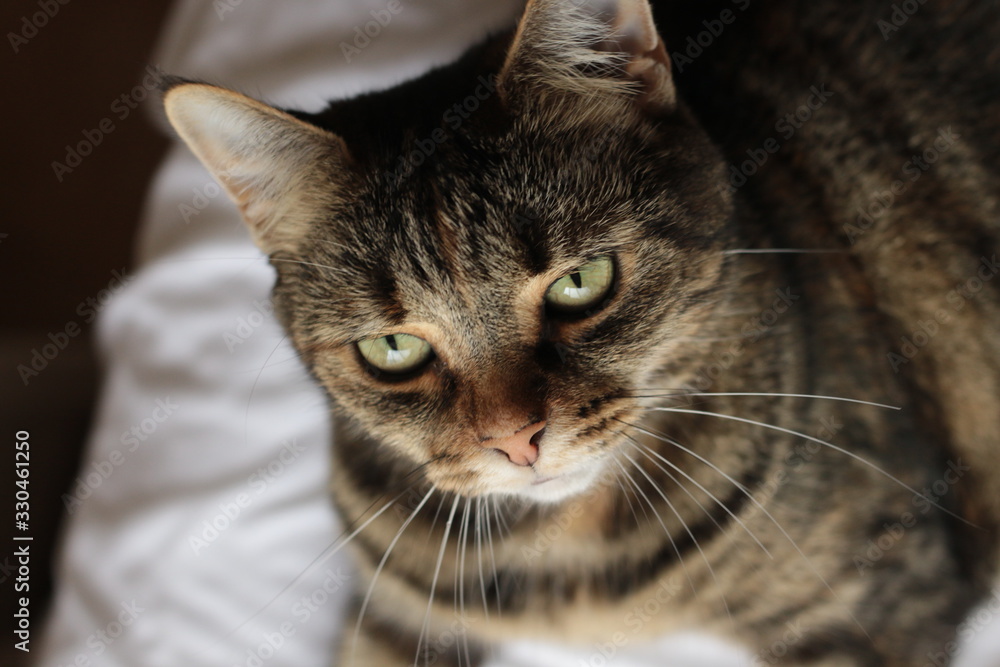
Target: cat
641,318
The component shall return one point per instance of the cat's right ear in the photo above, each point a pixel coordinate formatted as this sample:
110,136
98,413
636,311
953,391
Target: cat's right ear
588,56
278,169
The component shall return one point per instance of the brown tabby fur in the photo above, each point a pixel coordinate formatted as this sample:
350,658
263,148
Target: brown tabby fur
875,550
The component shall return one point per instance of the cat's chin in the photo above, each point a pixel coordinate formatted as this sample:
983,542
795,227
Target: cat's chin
557,488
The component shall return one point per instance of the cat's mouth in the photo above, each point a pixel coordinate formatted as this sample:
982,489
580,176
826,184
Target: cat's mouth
554,488
545,480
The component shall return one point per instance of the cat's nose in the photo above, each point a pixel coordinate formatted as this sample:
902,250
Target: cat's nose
522,447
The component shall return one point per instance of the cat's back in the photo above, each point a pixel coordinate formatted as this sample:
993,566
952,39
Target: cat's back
872,129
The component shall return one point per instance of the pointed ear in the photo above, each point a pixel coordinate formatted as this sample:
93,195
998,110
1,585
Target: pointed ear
279,170
596,50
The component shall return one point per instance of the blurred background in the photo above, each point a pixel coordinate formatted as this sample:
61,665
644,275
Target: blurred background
64,237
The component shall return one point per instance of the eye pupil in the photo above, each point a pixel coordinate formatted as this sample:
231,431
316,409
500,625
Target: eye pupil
581,292
396,353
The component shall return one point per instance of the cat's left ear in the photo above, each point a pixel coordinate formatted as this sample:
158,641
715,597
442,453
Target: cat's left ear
279,170
592,51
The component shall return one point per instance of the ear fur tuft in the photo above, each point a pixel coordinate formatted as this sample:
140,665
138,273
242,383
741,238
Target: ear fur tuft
592,50
278,169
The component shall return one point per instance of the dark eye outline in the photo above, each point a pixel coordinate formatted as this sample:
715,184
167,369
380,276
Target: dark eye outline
391,376
601,302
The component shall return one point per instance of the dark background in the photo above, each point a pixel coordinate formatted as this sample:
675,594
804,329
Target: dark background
63,240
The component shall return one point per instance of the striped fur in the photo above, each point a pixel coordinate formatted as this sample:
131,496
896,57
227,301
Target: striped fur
786,521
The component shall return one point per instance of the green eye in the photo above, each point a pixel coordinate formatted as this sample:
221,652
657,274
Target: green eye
582,289
397,353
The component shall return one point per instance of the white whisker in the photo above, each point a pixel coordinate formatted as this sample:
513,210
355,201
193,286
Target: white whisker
625,494
335,269
493,555
832,446
479,555
329,552
253,388
682,394
670,505
437,571
648,451
673,544
261,258
463,539
781,251
378,570
342,246
770,516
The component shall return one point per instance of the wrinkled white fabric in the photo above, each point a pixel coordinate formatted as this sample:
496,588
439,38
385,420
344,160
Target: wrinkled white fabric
216,440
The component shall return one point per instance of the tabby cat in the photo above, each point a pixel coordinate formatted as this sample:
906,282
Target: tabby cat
642,326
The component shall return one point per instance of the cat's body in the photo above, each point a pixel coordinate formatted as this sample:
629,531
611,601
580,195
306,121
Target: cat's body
814,531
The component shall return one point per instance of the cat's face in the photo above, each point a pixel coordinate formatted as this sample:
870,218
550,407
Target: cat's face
495,313
525,283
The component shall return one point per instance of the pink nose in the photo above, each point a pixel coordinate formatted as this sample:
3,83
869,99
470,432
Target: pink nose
522,447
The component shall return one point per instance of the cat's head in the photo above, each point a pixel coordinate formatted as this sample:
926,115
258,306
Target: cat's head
488,267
